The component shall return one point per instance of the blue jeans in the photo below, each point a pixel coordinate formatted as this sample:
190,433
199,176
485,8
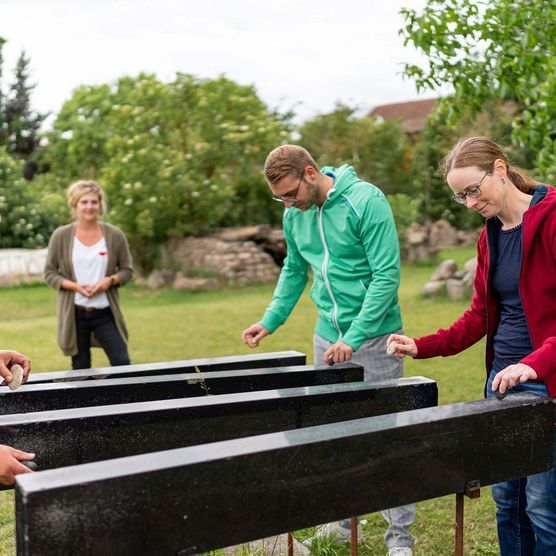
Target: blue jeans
101,323
526,507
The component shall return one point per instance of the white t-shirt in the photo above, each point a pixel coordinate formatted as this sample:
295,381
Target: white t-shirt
89,265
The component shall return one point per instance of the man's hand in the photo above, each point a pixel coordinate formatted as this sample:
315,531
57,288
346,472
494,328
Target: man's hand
254,334
9,358
512,376
10,466
399,346
337,353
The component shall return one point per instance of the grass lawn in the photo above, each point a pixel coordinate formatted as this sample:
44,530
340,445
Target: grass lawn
171,325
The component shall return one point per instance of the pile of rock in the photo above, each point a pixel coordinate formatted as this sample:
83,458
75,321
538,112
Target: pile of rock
238,256
424,240
457,284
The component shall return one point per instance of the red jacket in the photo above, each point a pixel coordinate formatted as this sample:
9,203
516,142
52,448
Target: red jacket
537,286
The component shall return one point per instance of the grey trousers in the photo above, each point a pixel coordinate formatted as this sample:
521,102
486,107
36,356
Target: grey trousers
378,366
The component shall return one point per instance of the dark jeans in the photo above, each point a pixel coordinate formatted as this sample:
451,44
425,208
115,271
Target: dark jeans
101,322
526,507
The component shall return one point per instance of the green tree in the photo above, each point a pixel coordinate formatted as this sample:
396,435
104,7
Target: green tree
28,213
186,157
380,151
439,135
175,158
21,122
492,50
2,123
77,142
406,211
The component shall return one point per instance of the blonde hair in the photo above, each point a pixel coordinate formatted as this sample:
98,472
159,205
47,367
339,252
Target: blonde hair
287,160
482,153
85,187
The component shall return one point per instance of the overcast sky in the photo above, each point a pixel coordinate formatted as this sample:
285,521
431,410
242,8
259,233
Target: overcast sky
304,54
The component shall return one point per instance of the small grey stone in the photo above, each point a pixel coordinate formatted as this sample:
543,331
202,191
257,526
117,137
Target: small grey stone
17,377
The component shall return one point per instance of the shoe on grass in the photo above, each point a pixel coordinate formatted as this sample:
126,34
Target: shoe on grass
336,532
400,551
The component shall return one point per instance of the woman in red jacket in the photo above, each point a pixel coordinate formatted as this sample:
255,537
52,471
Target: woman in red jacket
514,305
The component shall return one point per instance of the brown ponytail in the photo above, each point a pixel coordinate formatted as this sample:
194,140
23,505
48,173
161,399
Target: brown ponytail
521,180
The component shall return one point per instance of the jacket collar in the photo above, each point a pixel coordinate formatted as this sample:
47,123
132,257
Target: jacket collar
539,193
537,209
542,205
343,176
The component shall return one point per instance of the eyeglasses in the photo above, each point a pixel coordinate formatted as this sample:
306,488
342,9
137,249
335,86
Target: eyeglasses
290,198
472,192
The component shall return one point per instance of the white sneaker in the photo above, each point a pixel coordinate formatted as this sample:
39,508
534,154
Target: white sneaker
334,531
400,551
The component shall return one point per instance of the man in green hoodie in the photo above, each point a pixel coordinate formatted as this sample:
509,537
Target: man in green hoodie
342,228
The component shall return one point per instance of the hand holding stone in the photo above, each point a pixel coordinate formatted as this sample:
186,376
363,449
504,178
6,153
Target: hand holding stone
10,363
399,346
254,334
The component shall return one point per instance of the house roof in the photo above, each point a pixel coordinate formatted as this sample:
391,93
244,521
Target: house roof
413,114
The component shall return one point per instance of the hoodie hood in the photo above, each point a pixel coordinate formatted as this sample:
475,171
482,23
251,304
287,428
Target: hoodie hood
344,176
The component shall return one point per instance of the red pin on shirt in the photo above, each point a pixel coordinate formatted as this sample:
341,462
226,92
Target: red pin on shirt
102,253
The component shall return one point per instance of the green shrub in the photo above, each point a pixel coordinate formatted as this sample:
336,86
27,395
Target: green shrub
29,211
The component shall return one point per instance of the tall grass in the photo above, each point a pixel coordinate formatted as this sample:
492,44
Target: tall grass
170,325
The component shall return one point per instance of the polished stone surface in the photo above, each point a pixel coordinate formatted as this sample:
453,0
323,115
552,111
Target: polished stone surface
82,435
227,363
203,497
86,393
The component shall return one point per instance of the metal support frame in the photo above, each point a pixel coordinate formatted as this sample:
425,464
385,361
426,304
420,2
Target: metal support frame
354,540
472,490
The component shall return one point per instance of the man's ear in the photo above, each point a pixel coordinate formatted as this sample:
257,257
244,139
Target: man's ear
311,172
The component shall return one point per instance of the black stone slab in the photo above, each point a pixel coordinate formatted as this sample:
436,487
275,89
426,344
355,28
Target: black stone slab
227,363
64,395
83,435
203,497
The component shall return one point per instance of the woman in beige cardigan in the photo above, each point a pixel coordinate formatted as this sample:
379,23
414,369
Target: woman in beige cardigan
87,262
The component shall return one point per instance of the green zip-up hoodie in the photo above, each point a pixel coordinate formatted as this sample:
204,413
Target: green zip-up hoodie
352,247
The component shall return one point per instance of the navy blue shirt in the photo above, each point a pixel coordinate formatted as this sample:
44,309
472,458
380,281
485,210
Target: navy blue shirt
512,340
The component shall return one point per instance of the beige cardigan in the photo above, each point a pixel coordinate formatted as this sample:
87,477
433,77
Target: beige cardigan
59,267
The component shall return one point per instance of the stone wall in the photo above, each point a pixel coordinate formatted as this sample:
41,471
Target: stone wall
424,240
238,262
237,256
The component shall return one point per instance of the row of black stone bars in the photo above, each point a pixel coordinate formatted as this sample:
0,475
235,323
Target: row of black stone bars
185,457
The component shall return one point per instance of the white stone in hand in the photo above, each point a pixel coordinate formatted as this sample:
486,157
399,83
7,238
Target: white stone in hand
17,376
